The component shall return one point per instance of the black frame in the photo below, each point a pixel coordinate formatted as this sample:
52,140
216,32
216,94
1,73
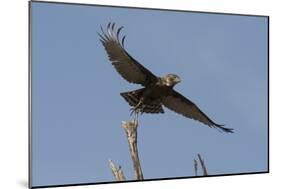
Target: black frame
129,7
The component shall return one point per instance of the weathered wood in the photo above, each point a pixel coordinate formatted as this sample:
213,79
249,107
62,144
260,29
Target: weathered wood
117,172
196,167
130,128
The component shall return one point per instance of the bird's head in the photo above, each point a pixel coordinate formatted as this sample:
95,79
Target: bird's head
171,80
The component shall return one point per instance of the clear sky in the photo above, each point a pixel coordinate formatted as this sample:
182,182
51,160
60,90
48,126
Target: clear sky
77,110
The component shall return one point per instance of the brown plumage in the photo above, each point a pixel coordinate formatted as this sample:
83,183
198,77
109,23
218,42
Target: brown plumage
157,91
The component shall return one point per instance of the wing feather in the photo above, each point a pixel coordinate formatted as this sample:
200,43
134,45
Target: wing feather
130,69
178,103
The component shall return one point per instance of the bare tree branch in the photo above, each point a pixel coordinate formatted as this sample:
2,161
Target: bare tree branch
117,172
130,128
196,167
203,165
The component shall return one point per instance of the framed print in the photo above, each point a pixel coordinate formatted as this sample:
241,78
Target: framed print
122,94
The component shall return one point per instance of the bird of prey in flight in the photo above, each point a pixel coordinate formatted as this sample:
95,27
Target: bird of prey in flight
156,91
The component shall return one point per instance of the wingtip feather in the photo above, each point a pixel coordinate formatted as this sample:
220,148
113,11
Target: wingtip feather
224,129
123,39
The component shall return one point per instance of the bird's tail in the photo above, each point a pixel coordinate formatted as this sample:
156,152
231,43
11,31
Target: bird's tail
134,98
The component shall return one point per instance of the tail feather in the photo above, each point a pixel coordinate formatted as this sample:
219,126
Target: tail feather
153,108
133,98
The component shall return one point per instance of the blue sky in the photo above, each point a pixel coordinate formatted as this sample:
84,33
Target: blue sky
77,110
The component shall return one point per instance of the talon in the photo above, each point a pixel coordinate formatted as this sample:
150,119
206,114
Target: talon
132,111
135,111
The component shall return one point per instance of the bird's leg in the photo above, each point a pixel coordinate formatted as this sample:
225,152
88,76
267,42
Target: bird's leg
136,117
135,110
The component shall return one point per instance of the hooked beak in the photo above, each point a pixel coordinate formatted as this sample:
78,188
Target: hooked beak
178,80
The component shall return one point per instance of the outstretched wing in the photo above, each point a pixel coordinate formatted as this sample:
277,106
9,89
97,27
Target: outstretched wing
178,103
125,64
